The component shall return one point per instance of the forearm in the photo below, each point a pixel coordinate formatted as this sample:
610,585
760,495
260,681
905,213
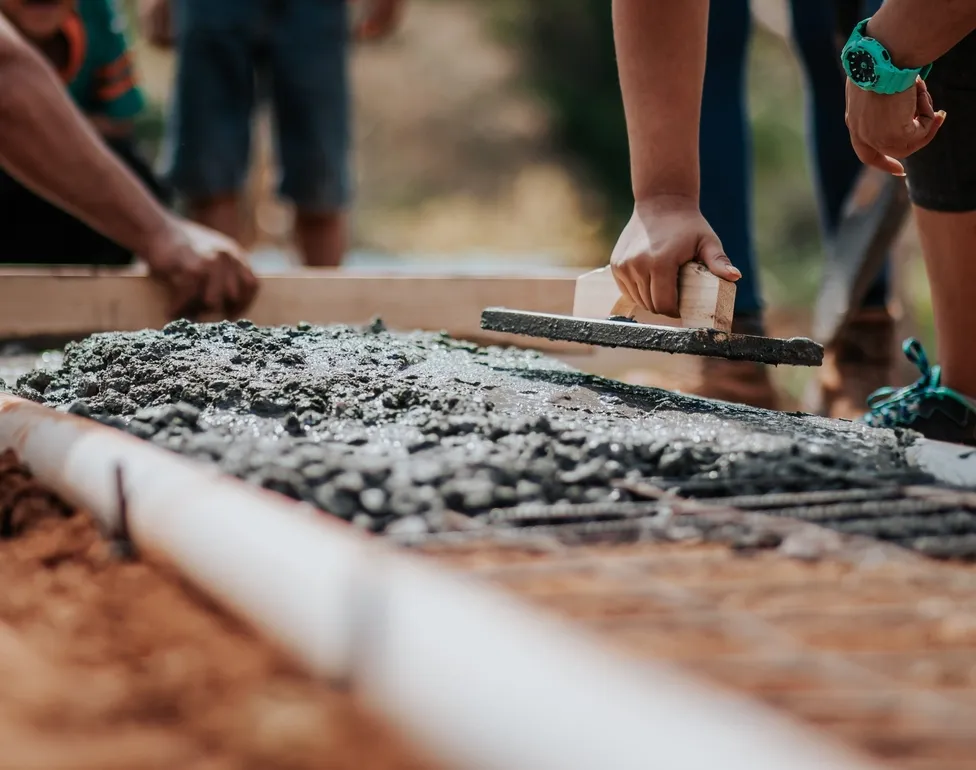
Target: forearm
47,144
661,58
917,32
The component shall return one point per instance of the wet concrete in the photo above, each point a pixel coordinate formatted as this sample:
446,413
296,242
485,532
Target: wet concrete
797,351
390,430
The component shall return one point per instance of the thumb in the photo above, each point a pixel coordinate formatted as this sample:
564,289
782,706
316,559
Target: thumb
710,252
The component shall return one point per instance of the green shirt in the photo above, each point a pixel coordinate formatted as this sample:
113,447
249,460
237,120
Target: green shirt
99,73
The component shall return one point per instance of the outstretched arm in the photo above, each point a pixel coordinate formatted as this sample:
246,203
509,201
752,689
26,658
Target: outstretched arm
48,145
661,57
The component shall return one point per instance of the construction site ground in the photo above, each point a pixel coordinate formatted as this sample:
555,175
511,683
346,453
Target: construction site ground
111,663
876,648
782,556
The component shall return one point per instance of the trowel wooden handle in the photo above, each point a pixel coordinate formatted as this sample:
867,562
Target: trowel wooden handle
704,299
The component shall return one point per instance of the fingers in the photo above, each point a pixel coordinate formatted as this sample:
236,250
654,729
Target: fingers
650,283
661,236
187,293
631,285
214,285
927,121
630,246
871,157
664,287
623,283
240,286
923,100
642,288
231,291
887,128
226,287
249,290
713,255
664,271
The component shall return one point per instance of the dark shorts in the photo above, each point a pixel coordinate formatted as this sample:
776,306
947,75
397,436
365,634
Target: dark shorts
942,176
234,54
36,232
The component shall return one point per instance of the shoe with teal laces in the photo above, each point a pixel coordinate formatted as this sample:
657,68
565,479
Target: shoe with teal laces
926,406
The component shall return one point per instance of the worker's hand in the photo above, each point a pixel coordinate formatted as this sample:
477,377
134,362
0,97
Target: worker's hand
379,18
156,20
203,271
887,128
662,235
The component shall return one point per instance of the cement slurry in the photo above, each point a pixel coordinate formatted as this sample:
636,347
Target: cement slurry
389,429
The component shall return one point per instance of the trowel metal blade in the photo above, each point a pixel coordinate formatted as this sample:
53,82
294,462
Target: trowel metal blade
797,351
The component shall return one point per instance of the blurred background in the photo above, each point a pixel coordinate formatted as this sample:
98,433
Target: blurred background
490,133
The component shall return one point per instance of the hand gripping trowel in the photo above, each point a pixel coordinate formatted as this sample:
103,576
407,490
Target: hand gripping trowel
601,316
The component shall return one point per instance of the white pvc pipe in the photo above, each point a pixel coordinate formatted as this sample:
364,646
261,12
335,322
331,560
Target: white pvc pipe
481,680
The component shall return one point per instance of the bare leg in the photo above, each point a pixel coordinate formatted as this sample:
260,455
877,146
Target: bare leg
947,241
221,214
321,237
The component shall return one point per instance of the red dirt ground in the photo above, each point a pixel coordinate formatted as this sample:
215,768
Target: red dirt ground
112,665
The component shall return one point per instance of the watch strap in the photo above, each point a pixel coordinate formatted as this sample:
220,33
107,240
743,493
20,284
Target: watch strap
889,78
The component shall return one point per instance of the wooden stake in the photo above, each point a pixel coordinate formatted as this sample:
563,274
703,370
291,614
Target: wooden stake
705,300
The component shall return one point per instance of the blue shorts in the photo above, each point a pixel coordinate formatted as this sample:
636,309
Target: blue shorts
232,55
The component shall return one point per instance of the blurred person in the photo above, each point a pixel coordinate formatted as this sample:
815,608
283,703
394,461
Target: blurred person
890,113
231,54
911,57
861,361
84,42
48,145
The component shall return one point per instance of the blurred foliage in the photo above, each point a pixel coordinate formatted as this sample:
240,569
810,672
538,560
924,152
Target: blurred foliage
569,62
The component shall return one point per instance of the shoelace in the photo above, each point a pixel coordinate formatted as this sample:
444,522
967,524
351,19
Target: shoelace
894,407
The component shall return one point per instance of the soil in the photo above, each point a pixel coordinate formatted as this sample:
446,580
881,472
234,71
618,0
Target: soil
111,664
879,652
390,430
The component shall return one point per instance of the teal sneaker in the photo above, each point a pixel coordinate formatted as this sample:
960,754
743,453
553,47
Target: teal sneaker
937,412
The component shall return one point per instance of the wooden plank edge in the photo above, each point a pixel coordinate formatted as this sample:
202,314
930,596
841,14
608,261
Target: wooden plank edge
74,303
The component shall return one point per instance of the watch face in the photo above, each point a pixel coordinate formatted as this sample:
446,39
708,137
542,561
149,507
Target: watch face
861,67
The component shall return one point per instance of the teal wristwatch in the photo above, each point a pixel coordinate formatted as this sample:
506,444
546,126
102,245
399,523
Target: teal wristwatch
869,66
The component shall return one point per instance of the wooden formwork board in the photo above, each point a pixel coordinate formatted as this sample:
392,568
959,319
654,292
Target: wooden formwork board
37,303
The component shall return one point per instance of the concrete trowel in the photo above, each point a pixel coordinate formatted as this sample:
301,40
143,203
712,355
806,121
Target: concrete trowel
871,221
601,316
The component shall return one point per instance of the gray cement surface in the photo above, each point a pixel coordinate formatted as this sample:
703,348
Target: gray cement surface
390,429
